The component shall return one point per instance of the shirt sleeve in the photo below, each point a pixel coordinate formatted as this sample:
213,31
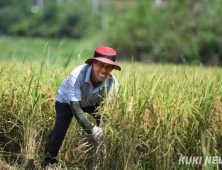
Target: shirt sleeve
81,117
74,88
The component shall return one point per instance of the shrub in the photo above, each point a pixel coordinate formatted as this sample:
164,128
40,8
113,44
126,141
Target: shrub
173,32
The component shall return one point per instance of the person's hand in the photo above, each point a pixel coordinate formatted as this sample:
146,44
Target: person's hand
97,134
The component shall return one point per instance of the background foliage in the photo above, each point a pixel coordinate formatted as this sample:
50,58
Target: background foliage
176,31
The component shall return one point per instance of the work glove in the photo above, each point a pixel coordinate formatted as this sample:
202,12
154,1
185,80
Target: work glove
97,134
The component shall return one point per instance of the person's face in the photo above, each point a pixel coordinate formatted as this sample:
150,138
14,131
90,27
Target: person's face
101,71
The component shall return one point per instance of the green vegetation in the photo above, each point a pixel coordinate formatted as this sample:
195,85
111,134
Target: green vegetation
161,112
177,31
70,19
42,49
174,32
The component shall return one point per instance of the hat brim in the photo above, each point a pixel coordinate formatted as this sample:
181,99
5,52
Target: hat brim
104,60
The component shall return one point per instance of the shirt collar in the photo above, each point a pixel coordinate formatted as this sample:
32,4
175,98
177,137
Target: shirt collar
106,84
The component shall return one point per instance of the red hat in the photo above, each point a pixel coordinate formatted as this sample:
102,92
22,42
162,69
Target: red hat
105,55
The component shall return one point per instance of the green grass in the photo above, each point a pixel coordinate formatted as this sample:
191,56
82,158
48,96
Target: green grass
161,112
42,49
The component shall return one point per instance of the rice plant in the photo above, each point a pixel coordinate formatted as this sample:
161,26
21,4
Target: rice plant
161,112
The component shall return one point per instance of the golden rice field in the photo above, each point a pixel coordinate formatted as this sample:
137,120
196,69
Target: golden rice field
162,112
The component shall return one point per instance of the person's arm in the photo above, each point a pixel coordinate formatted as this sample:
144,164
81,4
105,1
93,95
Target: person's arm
97,132
75,80
81,117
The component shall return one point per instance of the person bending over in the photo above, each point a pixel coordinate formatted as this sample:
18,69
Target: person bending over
82,91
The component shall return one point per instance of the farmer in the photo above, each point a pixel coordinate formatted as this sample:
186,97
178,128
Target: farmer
82,91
